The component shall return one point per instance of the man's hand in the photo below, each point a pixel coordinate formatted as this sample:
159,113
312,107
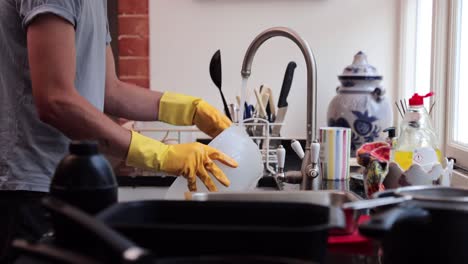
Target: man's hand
179,109
190,160
209,120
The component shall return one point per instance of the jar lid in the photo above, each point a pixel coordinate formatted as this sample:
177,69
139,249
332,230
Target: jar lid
360,69
83,148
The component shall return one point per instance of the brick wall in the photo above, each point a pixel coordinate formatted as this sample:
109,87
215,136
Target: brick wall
134,41
133,54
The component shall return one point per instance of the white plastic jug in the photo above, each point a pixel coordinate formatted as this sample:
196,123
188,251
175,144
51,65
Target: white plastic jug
234,142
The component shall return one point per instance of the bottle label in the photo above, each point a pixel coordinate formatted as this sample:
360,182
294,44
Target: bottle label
412,116
423,156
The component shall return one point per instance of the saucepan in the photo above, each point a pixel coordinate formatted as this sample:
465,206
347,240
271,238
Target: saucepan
429,227
85,241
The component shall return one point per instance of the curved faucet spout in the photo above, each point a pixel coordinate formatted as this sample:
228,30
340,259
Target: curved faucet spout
311,71
308,178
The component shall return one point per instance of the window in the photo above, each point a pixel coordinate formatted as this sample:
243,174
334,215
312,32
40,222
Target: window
423,47
434,56
416,47
457,96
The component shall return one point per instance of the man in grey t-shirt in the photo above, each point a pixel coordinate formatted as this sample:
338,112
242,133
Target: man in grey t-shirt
57,77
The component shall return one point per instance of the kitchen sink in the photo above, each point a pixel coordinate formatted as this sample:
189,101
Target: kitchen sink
328,198
324,197
269,183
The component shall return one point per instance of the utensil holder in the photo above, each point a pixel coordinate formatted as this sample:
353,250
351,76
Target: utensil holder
259,130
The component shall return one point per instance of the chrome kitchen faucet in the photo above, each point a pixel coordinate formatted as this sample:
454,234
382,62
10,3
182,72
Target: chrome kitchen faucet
310,172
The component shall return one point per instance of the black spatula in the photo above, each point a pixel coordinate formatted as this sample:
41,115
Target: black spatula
215,73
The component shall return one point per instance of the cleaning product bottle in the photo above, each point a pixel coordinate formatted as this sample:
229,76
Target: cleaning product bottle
391,138
417,143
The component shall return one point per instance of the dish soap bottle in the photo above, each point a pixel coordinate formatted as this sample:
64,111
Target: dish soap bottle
391,140
417,143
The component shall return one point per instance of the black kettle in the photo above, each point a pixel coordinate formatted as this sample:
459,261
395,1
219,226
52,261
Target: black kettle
85,179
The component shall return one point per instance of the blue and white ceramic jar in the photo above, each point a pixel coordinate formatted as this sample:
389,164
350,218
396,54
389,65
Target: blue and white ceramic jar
360,103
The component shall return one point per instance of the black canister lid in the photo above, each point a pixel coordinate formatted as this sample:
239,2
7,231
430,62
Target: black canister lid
83,148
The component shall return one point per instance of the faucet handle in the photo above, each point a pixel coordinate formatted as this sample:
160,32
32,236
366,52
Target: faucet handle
296,146
315,151
281,155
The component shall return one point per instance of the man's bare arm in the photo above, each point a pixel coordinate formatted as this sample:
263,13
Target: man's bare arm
52,59
128,100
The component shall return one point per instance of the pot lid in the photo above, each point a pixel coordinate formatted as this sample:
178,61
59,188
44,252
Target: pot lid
360,68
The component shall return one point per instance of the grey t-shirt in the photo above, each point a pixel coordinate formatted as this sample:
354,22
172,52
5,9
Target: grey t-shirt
30,149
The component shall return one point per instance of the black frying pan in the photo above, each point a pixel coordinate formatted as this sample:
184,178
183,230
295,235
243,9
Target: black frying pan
240,228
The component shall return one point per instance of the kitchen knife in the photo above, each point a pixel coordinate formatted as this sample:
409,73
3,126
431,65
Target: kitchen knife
282,101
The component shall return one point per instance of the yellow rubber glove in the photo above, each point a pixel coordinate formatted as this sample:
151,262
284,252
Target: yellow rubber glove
184,110
190,160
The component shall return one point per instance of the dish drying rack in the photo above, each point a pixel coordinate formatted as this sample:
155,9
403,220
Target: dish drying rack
259,130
